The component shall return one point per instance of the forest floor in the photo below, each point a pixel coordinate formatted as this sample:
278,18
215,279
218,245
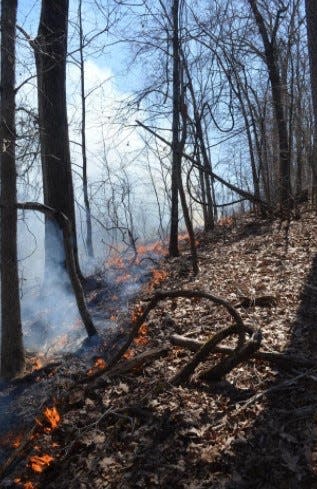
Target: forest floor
255,429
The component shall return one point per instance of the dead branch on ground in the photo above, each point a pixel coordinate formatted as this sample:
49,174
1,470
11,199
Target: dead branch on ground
239,327
281,359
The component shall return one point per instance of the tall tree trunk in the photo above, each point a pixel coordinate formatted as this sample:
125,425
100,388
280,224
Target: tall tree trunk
176,155
311,15
50,53
209,222
271,59
89,246
12,353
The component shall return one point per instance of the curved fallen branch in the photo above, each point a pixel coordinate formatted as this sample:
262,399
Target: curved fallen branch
239,327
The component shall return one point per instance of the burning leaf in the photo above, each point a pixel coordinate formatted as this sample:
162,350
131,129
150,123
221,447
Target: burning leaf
123,278
144,329
141,340
128,354
37,364
16,440
52,416
137,312
40,463
99,364
116,262
158,276
29,485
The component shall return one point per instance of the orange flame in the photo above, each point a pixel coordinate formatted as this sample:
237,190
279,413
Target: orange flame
99,364
29,485
142,338
24,485
116,262
40,463
128,354
157,247
226,222
137,312
123,278
158,276
37,364
52,416
17,441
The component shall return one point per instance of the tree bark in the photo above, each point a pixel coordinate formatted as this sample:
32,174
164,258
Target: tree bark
176,155
271,58
12,352
311,16
50,48
89,246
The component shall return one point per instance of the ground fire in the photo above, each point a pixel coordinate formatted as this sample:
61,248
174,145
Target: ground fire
39,463
41,443
52,416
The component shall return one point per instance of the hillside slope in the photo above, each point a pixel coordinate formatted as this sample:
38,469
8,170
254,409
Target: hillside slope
254,429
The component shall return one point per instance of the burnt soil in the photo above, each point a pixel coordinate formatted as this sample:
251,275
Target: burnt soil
254,429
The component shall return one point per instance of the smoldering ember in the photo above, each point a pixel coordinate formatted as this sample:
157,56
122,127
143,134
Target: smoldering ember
158,237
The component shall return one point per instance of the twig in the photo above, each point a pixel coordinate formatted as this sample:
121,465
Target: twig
274,388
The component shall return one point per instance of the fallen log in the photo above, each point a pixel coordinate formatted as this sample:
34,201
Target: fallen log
238,356
281,359
205,350
261,301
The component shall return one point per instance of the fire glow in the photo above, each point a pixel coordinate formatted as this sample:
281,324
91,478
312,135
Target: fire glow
142,338
52,416
24,485
100,364
39,463
158,276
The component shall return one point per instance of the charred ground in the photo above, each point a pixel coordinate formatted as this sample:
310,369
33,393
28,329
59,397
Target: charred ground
255,429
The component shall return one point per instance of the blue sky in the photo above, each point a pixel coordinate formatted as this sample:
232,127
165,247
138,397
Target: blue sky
113,57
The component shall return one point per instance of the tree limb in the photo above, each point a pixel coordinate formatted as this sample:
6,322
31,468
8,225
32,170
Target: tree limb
247,195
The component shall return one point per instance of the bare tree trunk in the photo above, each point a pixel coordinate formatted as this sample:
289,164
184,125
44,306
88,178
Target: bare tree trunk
205,178
50,52
90,251
311,15
279,110
176,155
12,352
